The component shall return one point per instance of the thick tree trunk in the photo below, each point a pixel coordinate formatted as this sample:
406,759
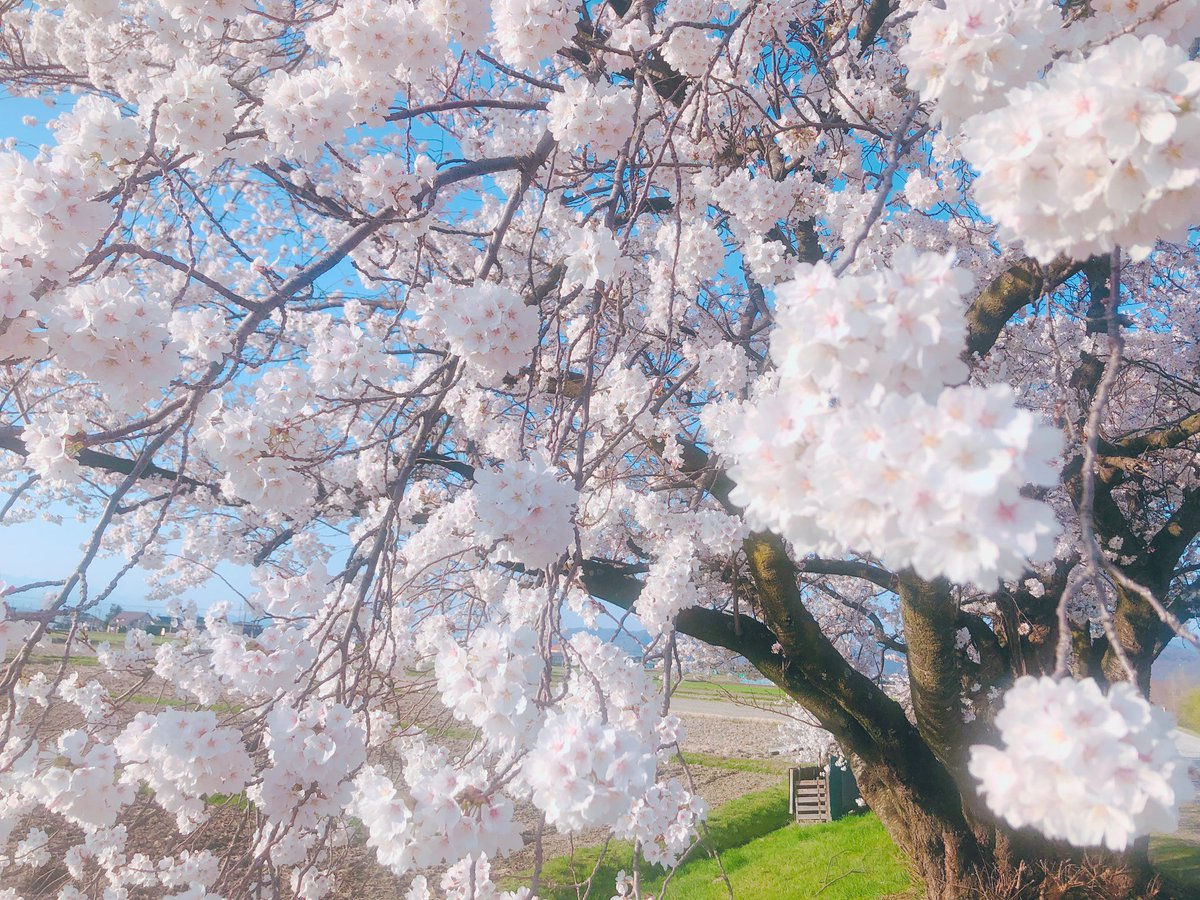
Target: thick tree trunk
941,852
917,786
987,861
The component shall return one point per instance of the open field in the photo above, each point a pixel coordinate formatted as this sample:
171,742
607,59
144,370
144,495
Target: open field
727,689
726,757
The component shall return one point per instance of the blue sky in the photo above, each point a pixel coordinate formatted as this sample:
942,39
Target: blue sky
43,550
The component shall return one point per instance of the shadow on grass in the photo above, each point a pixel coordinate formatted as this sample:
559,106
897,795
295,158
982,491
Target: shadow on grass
1178,862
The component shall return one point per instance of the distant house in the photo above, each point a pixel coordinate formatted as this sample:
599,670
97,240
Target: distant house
123,621
87,622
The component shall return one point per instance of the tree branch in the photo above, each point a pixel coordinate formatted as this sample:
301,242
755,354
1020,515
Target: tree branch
1006,295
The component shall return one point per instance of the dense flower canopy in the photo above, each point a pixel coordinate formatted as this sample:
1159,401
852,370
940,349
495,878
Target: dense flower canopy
841,336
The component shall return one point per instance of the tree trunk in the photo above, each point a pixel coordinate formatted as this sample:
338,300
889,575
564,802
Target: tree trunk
918,788
941,853
990,862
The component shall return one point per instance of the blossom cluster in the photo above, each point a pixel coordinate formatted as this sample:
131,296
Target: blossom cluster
182,757
806,740
583,772
896,330
598,117
250,442
529,31
1081,766
592,256
491,683
204,16
50,222
386,179
96,134
596,754
303,110
314,751
664,821
486,324
12,631
689,49
1103,151
859,444
376,43
81,785
967,54
669,586
527,508
468,879
260,668
465,22
447,815
115,332
191,109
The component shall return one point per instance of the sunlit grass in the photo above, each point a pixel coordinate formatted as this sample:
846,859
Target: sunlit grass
765,856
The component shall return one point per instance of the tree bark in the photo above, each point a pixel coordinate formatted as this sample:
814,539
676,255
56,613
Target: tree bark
929,808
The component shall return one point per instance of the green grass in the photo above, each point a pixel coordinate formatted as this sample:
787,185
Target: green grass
765,856
1178,862
83,661
105,637
852,859
235,801
721,690
777,765
1189,711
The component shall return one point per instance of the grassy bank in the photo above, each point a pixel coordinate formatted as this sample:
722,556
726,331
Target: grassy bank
763,854
1178,862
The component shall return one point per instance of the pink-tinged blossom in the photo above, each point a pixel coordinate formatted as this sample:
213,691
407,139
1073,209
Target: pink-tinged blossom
592,256
596,117
83,787
1081,766
492,682
183,756
303,111
526,507
486,324
116,333
665,822
860,445
191,109
1104,150
441,812
466,22
529,31
966,54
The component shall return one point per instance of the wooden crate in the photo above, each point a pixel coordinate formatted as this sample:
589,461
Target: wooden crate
808,797
821,793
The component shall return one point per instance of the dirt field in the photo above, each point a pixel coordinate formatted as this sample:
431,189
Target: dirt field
740,732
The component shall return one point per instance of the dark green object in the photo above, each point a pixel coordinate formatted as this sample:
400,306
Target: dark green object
843,792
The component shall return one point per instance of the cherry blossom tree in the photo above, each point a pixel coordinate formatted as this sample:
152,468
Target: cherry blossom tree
821,333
